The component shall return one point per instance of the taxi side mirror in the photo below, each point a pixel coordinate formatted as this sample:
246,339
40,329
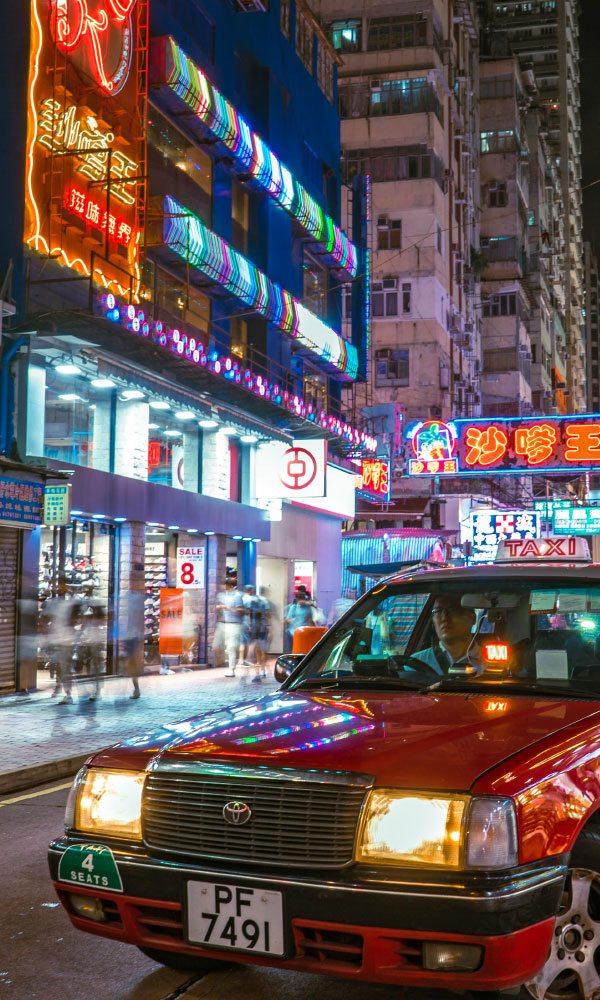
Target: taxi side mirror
285,665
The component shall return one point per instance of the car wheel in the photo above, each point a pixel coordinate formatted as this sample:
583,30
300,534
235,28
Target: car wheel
185,963
572,969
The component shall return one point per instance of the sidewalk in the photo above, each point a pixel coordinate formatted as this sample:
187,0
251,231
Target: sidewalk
41,740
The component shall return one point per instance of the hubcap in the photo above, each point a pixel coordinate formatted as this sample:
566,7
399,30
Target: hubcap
571,970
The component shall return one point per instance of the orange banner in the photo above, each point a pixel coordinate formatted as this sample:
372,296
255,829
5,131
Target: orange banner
170,636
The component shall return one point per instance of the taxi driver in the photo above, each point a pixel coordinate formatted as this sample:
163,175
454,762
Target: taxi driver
453,626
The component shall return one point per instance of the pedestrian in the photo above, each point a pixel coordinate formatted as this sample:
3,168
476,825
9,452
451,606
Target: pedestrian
340,606
267,610
230,611
93,638
300,614
130,628
63,614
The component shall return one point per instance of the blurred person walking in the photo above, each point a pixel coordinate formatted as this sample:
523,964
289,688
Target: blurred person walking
300,613
130,634
62,614
267,611
93,639
230,611
340,606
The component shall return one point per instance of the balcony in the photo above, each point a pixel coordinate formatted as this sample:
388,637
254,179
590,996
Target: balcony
383,98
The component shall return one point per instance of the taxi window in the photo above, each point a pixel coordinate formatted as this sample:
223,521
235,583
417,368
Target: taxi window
512,631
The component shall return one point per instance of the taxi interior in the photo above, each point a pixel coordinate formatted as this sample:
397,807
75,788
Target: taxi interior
531,631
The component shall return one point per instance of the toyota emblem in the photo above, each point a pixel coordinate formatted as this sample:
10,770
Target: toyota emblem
236,813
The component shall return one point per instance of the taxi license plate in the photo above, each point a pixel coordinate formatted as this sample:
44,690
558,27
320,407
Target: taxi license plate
235,917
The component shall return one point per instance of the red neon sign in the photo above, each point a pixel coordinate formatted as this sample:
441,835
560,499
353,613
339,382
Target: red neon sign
496,652
375,473
495,706
486,446
86,208
97,35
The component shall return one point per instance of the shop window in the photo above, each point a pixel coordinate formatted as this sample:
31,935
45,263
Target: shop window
346,36
315,391
314,277
391,367
173,448
389,233
304,40
239,337
178,303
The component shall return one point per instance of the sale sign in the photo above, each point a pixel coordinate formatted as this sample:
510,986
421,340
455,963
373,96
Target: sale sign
190,566
170,628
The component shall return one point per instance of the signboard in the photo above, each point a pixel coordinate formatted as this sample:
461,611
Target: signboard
341,494
57,504
375,479
490,527
532,445
190,566
577,521
85,145
547,507
20,502
170,624
291,472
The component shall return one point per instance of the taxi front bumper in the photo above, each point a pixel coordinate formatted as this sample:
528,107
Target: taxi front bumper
368,925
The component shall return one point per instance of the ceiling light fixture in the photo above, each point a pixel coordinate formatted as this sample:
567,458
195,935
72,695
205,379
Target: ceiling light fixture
159,404
68,368
103,383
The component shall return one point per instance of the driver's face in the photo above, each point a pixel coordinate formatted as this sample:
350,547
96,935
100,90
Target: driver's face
451,621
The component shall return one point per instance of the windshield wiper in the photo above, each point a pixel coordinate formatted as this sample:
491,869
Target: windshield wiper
509,687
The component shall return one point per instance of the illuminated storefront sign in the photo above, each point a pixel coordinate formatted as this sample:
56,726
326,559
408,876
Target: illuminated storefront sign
187,236
576,521
85,151
231,369
171,66
490,527
375,478
505,446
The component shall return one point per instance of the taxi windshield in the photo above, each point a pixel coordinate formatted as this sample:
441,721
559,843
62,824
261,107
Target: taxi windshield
528,634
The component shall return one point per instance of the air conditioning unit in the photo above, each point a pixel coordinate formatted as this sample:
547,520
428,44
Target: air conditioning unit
385,353
382,222
375,86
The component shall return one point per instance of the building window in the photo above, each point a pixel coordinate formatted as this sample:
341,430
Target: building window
284,17
393,163
239,218
391,367
389,233
325,71
239,336
498,142
404,97
496,86
396,33
384,298
304,41
346,36
501,305
497,194
440,239
406,297
314,277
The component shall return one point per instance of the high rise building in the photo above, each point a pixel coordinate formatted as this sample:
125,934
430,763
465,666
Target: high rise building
408,104
544,36
592,330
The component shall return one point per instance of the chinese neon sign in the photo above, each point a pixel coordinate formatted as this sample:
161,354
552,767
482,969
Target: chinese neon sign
172,68
85,144
505,446
93,213
187,236
490,527
375,478
577,521
432,447
97,36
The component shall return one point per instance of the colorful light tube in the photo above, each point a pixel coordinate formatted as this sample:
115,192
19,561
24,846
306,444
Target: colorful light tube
181,74
187,236
228,368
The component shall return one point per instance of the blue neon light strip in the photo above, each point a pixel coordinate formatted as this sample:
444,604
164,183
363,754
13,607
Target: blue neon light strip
191,239
221,119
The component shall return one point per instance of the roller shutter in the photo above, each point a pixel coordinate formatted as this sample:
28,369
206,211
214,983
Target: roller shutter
9,565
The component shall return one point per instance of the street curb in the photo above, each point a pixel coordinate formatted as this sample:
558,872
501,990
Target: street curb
39,774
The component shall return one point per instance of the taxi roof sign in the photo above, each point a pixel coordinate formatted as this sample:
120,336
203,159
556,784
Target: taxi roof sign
568,549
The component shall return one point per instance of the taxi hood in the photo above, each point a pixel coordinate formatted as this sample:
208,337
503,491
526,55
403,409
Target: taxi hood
438,740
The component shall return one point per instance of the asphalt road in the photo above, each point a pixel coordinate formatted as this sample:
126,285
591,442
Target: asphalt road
43,956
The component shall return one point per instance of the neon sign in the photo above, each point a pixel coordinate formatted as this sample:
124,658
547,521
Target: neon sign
187,236
375,478
432,444
93,213
505,446
98,41
490,527
496,652
171,67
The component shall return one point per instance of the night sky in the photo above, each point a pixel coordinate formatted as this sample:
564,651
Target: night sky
590,113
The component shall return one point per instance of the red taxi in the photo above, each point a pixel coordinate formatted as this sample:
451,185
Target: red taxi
418,803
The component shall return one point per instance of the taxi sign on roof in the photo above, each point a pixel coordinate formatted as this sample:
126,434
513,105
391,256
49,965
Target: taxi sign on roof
569,549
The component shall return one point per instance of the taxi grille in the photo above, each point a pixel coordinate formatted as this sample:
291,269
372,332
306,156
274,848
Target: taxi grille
302,824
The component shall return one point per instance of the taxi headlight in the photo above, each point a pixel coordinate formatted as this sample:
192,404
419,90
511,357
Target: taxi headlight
106,801
444,830
412,828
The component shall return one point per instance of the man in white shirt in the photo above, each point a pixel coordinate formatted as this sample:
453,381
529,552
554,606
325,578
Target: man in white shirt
230,611
453,626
